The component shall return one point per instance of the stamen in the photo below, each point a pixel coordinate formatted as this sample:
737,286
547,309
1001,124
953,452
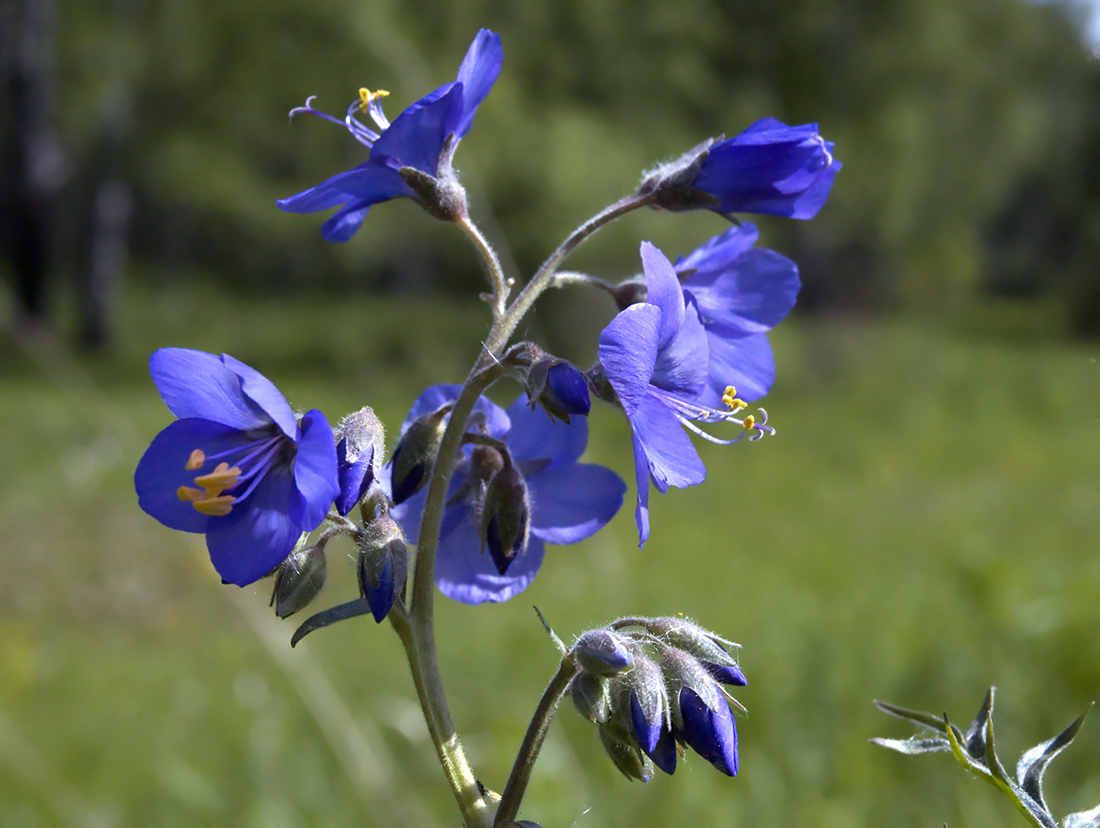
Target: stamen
367,99
217,506
195,461
219,480
730,399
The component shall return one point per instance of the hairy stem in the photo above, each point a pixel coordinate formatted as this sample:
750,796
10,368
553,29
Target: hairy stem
501,284
532,741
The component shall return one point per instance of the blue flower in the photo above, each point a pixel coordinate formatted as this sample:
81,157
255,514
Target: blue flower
656,358
740,292
568,501
418,140
769,168
237,465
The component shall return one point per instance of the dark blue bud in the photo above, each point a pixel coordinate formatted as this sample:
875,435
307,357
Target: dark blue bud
558,387
361,441
412,460
298,580
505,515
602,652
383,565
710,733
649,711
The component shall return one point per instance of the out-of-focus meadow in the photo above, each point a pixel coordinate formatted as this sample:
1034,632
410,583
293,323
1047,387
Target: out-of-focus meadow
925,524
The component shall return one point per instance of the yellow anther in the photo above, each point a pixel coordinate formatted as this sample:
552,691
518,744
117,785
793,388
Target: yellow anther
219,480
750,422
215,506
204,503
730,399
366,97
195,461
186,493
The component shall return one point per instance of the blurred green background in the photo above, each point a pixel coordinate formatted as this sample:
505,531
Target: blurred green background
924,526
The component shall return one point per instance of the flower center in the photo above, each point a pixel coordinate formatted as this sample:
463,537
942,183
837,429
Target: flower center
687,412
215,493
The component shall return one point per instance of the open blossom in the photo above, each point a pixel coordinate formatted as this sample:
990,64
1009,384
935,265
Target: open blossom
237,465
656,357
566,501
417,140
770,168
740,292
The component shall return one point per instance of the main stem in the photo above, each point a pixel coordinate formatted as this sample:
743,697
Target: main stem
417,629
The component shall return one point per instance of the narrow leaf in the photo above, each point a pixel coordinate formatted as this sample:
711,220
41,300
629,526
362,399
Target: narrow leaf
927,719
914,746
1033,764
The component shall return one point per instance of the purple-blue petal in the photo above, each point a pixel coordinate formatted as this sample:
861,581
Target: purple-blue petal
664,754
663,290
710,733
681,365
770,168
669,453
258,534
745,362
345,222
416,137
464,572
726,673
535,435
161,470
628,352
316,479
477,74
648,732
198,384
641,482
436,396
573,503
355,477
719,252
749,295
264,394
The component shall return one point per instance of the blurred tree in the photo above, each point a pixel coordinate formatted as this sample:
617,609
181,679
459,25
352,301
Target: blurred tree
942,108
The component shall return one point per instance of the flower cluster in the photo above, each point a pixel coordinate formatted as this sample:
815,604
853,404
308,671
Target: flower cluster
653,685
526,464
480,490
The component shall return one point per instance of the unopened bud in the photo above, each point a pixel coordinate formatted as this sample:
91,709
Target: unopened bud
591,697
602,652
625,753
505,515
298,580
670,184
558,387
383,564
361,439
415,454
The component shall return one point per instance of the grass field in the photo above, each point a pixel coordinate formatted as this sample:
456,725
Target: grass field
926,524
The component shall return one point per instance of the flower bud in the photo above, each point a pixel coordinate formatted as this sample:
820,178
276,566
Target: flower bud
681,669
629,293
591,697
711,651
361,439
709,732
505,515
558,387
623,749
298,580
602,652
648,703
383,564
412,460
